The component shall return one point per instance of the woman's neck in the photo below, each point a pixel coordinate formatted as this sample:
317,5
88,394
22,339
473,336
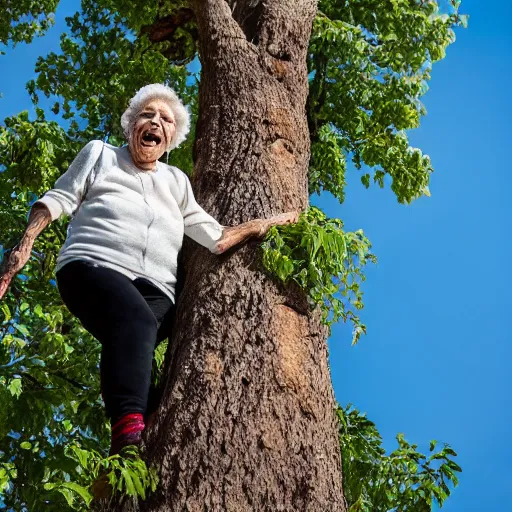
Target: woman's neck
143,166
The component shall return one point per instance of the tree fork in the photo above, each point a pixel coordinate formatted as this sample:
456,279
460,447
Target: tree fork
247,420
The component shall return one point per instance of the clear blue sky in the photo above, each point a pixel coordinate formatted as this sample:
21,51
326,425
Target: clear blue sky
435,363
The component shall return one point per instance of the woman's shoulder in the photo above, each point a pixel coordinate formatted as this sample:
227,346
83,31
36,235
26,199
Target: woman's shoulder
104,156
115,155
97,144
93,146
111,148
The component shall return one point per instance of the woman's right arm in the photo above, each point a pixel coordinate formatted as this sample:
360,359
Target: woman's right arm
16,259
63,199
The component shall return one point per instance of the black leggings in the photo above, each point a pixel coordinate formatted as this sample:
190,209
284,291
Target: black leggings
128,318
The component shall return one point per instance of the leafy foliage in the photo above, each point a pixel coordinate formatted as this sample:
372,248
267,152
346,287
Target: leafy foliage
49,389
323,260
370,61
404,480
33,154
107,479
24,19
328,163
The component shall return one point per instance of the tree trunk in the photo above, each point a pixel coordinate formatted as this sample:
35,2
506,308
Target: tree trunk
247,418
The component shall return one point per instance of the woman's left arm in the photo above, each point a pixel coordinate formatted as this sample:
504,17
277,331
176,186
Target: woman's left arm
232,236
205,230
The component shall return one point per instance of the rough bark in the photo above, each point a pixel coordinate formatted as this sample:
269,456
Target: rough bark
247,419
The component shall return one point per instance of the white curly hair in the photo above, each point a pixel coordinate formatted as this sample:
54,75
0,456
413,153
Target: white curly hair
158,92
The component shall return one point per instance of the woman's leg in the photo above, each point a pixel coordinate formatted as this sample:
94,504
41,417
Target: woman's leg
114,311
160,304
164,311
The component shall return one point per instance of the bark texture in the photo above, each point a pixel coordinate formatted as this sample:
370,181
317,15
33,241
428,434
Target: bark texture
247,419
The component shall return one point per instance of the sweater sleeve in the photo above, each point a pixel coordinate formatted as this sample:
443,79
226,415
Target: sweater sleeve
67,194
199,225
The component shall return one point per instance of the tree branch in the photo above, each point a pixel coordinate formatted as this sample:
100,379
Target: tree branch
216,21
73,382
287,14
163,29
34,381
182,43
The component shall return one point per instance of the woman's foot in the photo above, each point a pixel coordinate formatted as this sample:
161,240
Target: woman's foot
127,431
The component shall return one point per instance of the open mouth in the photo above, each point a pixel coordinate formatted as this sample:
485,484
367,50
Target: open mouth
150,139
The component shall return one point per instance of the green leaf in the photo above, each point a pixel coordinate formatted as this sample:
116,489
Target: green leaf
130,488
25,445
78,489
22,329
139,488
5,311
67,494
15,387
83,456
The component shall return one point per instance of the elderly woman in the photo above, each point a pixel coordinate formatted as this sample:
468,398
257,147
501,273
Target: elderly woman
116,271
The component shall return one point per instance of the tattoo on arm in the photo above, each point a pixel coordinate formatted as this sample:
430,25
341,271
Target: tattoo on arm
38,219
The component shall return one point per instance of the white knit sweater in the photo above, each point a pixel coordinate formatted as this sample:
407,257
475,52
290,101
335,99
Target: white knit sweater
126,219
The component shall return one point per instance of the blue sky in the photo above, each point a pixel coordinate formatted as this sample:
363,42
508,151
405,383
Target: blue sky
435,363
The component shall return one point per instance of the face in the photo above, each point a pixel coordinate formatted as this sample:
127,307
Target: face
152,130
